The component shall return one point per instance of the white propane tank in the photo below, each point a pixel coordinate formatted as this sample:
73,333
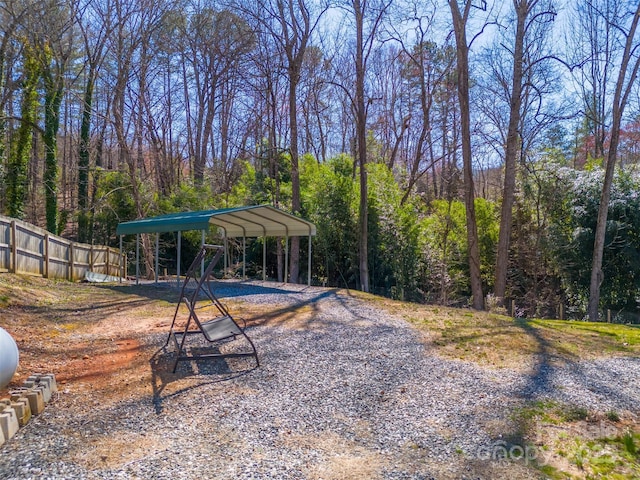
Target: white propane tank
8,357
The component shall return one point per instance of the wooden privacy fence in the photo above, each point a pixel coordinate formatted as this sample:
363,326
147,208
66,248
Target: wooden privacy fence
25,248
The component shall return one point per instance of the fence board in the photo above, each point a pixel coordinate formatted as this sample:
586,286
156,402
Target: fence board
58,257
29,250
5,244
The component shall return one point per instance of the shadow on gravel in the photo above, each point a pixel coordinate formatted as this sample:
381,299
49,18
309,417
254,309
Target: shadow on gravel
162,291
210,371
540,378
541,381
538,383
300,313
229,289
549,363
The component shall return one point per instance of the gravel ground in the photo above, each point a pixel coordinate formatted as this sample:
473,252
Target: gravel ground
352,393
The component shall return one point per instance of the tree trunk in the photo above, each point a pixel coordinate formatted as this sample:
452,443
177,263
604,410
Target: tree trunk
294,258
522,8
462,55
361,138
83,161
53,99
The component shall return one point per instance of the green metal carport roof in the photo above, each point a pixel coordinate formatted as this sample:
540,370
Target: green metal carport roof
251,221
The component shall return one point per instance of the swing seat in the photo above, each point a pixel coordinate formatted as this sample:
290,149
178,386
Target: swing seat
220,328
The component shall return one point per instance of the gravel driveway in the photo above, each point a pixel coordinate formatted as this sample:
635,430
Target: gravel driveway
350,393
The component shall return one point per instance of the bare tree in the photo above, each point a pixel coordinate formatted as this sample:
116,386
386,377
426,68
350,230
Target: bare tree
592,46
291,24
367,15
390,112
95,27
460,20
297,24
625,23
525,57
268,118
213,44
128,46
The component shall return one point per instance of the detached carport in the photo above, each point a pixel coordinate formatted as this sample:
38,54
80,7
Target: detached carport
253,221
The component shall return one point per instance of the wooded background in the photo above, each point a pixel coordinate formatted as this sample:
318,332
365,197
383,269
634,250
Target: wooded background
459,152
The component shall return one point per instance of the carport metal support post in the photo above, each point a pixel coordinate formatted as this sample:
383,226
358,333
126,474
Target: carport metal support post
264,258
179,248
309,262
226,252
157,254
202,263
286,258
120,270
244,258
137,258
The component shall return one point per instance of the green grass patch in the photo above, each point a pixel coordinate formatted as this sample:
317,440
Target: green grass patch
573,414
552,473
613,416
629,442
549,412
543,410
613,337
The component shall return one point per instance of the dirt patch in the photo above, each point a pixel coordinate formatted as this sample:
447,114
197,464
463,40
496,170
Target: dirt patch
340,459
94,368
108,451
83,333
